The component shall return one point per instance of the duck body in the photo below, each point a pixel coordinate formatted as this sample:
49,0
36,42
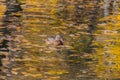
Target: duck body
54,41
50,40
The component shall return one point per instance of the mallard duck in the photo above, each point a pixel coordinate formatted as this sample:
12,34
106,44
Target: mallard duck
54,41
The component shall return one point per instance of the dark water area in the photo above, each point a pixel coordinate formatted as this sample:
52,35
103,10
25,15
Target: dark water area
24,54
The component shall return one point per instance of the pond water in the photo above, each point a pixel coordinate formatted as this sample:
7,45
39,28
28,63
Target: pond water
36,61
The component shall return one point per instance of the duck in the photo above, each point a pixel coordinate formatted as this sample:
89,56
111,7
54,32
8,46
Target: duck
54,41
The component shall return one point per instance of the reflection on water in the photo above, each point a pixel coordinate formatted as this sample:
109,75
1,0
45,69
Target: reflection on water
33,60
